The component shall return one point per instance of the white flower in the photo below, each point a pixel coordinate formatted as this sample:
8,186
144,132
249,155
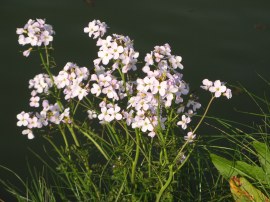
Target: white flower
46,38
91,114
35,33
218,88
149,59
116,50
185,120
206,84
27,52
96,28
159,87
96,90
114,112
152,134
105,56
23,119
146,125
190,137
29,133
34,101
228,93
32,122
92,27
176,62
82,92
104,116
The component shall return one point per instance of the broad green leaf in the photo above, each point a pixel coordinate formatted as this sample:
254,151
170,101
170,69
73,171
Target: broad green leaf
243,191
250,171
224,166
263,154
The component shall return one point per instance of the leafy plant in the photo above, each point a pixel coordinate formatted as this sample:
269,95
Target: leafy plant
241,188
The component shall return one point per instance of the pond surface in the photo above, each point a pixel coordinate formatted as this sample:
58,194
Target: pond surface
227,40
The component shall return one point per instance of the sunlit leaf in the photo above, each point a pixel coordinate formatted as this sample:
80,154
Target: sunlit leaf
243,191
224,166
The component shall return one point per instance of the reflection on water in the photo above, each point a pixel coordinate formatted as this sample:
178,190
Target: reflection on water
226,40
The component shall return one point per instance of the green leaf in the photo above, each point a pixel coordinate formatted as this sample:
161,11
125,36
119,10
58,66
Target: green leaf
263,155
250,171
224,166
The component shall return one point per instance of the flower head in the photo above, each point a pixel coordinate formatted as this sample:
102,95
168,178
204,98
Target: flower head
96,28
35,33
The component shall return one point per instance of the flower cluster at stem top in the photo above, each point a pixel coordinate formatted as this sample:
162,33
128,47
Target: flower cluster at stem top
139,102
35,33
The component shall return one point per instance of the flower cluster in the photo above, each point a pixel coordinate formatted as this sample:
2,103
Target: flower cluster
71,80
96,28
141,103
161,88
35,33
50,114
217,87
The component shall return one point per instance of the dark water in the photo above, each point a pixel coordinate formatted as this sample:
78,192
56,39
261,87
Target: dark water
227,40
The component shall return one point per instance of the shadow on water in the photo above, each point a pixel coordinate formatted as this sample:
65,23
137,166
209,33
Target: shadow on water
227,40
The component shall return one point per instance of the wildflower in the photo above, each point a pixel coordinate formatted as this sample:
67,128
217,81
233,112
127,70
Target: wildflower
146,125
218,88
190,137
96,90
96,28
152,134
114,112
23,119
206,84
34,101
27,52
32,122
228,93
116,50
183,123
91,114
35,33
105,56
104,116
29,133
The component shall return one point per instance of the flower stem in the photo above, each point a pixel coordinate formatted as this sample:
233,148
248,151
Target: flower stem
73,135
64,136
204,114
134,164
168,182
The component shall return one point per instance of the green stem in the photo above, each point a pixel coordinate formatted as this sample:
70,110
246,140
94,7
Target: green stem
70,128
64,136
165,186
149,157
136,157
205,112
94,142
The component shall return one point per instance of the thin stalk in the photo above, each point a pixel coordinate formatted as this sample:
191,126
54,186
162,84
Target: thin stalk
204,114
113,133
95,143
149,157
64,136
165,186
73,135
134,164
